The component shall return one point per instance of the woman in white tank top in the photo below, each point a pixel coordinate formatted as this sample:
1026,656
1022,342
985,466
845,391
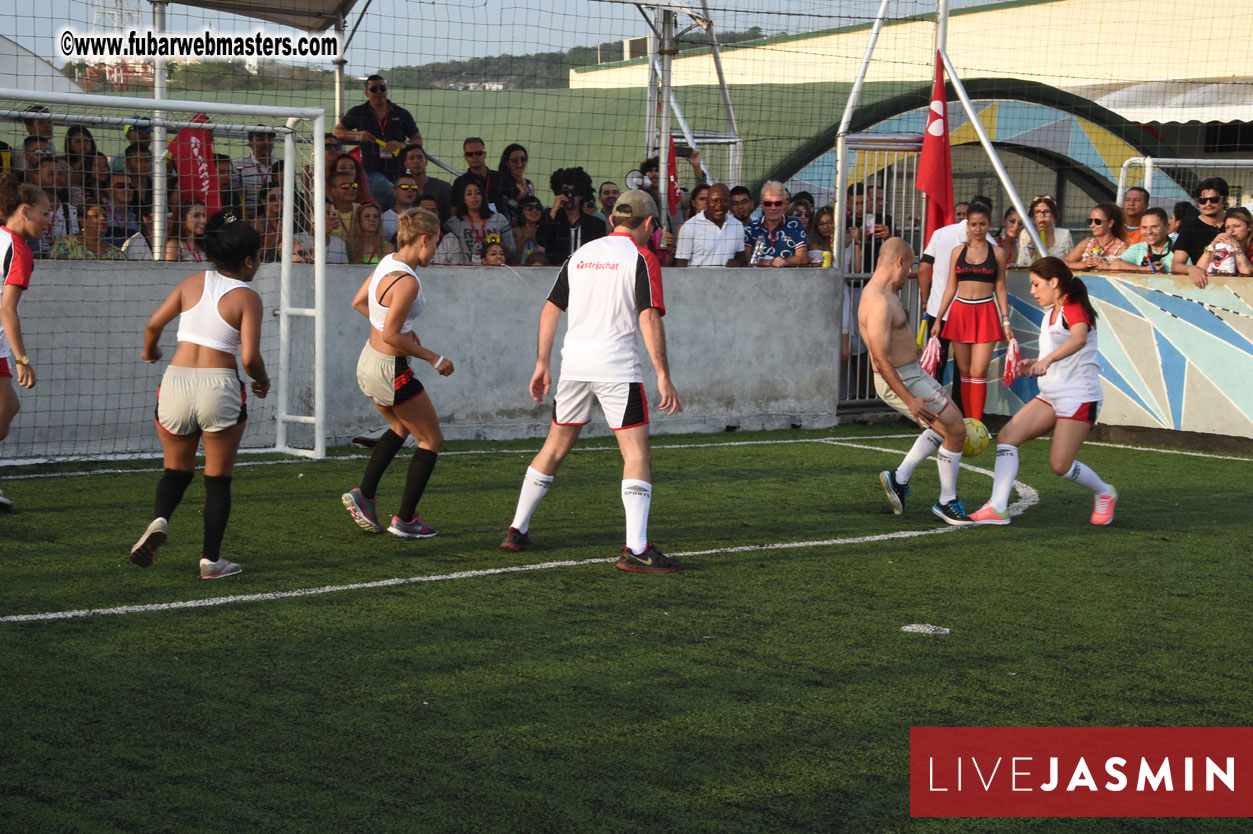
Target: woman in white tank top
391,298
201,396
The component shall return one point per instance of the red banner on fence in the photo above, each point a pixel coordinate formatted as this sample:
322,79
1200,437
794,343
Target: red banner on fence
1081,771
192,150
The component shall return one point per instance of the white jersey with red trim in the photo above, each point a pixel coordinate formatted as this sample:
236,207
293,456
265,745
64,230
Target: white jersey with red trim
16,265
604,286
1078,376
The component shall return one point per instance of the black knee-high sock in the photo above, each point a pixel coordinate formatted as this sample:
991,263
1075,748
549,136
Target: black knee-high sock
170,491
415,484
217,510
384,451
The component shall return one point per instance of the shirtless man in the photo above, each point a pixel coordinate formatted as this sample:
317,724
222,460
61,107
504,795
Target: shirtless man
902,383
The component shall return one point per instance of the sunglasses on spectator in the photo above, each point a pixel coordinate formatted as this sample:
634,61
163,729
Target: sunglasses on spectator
475,153
532,207
377,88
774,203
273,198
349,186
407,187
1200,200
1095,221
517,160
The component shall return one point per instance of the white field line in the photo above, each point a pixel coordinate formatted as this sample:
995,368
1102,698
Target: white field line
291,461
1029,497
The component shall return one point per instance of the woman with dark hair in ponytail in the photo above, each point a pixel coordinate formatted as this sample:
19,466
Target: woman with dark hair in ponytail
201,395
24,210
1070,394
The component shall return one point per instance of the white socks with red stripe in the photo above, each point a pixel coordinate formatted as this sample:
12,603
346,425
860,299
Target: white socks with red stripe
534,488
949,463
636,498
1085,477
1006,471
924,447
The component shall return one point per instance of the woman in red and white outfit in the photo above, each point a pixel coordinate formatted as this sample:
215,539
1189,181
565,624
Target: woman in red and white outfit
25,210
974,312
1070,394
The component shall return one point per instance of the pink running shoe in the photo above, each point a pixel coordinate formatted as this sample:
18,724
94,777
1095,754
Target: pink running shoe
987,514
415,529
1103,512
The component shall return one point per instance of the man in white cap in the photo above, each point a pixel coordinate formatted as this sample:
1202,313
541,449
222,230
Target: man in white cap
611,287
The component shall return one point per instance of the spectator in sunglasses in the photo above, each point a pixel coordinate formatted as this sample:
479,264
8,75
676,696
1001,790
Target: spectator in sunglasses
343,194
1043,214
775,240
1197,233
406,193
382,129
1108,241
488,181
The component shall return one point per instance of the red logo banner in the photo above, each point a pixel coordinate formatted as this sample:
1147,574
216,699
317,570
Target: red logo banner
1080,771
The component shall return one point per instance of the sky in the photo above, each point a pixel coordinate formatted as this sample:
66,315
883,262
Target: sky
412,32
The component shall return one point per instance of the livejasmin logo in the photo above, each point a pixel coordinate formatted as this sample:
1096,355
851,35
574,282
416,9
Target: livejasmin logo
1151,778
1080,771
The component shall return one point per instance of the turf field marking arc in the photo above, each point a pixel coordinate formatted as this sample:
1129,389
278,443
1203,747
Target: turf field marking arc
1028,497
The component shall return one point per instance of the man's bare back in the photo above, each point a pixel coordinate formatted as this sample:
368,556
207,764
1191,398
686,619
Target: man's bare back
881,316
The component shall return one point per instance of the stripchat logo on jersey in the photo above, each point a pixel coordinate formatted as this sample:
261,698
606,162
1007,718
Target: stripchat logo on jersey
1080,771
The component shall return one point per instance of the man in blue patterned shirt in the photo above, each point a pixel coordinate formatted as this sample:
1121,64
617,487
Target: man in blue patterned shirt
775,240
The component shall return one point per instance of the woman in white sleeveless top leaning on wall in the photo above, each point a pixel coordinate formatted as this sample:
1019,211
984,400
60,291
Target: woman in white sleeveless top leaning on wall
201,396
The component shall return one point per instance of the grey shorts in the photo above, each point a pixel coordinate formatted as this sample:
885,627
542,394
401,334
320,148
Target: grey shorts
192,400
919,383
386,379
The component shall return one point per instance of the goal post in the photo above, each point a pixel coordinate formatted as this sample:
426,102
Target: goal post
84,322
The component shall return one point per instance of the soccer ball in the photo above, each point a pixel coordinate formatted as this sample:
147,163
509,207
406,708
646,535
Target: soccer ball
977,438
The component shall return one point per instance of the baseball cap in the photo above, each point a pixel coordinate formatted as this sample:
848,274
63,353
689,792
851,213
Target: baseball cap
635,203
136,122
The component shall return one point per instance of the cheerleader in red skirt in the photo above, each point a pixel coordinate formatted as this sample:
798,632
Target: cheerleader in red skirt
974,313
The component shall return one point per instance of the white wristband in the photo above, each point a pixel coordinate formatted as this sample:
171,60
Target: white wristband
438,362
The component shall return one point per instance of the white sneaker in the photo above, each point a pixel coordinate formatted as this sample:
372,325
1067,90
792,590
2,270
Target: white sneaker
145,550
220,569
6,504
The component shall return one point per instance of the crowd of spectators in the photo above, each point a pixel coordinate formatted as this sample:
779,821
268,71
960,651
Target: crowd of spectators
102,208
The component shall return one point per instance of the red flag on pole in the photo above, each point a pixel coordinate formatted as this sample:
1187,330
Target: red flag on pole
192,150
935,165
673,195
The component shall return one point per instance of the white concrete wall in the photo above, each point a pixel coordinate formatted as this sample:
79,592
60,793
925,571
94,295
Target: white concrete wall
748,348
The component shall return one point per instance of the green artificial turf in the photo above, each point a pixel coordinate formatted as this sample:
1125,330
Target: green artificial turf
759,690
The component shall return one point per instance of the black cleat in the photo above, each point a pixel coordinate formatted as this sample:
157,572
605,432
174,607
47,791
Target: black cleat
896,492
651,560
516,541
954,513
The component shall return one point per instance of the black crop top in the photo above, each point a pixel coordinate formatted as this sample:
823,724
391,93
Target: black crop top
985,272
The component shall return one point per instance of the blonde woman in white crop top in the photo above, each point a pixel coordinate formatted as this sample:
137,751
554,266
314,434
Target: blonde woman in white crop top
391,298
201,395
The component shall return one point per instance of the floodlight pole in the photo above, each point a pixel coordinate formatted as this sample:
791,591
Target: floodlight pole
160,175
667,50
841,140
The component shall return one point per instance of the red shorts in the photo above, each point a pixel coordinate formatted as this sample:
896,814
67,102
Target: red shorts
1073,409
4,368
973,322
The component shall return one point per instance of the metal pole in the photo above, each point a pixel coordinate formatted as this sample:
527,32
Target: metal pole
1148,172
160,175
654,79
855,93
1001,173
667,51
319,287
290,171
722,80
339,63
941,26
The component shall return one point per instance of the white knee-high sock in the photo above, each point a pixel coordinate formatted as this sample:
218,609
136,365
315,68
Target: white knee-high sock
949,463
1085,477
534,488
924,447
1006,471
636,498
